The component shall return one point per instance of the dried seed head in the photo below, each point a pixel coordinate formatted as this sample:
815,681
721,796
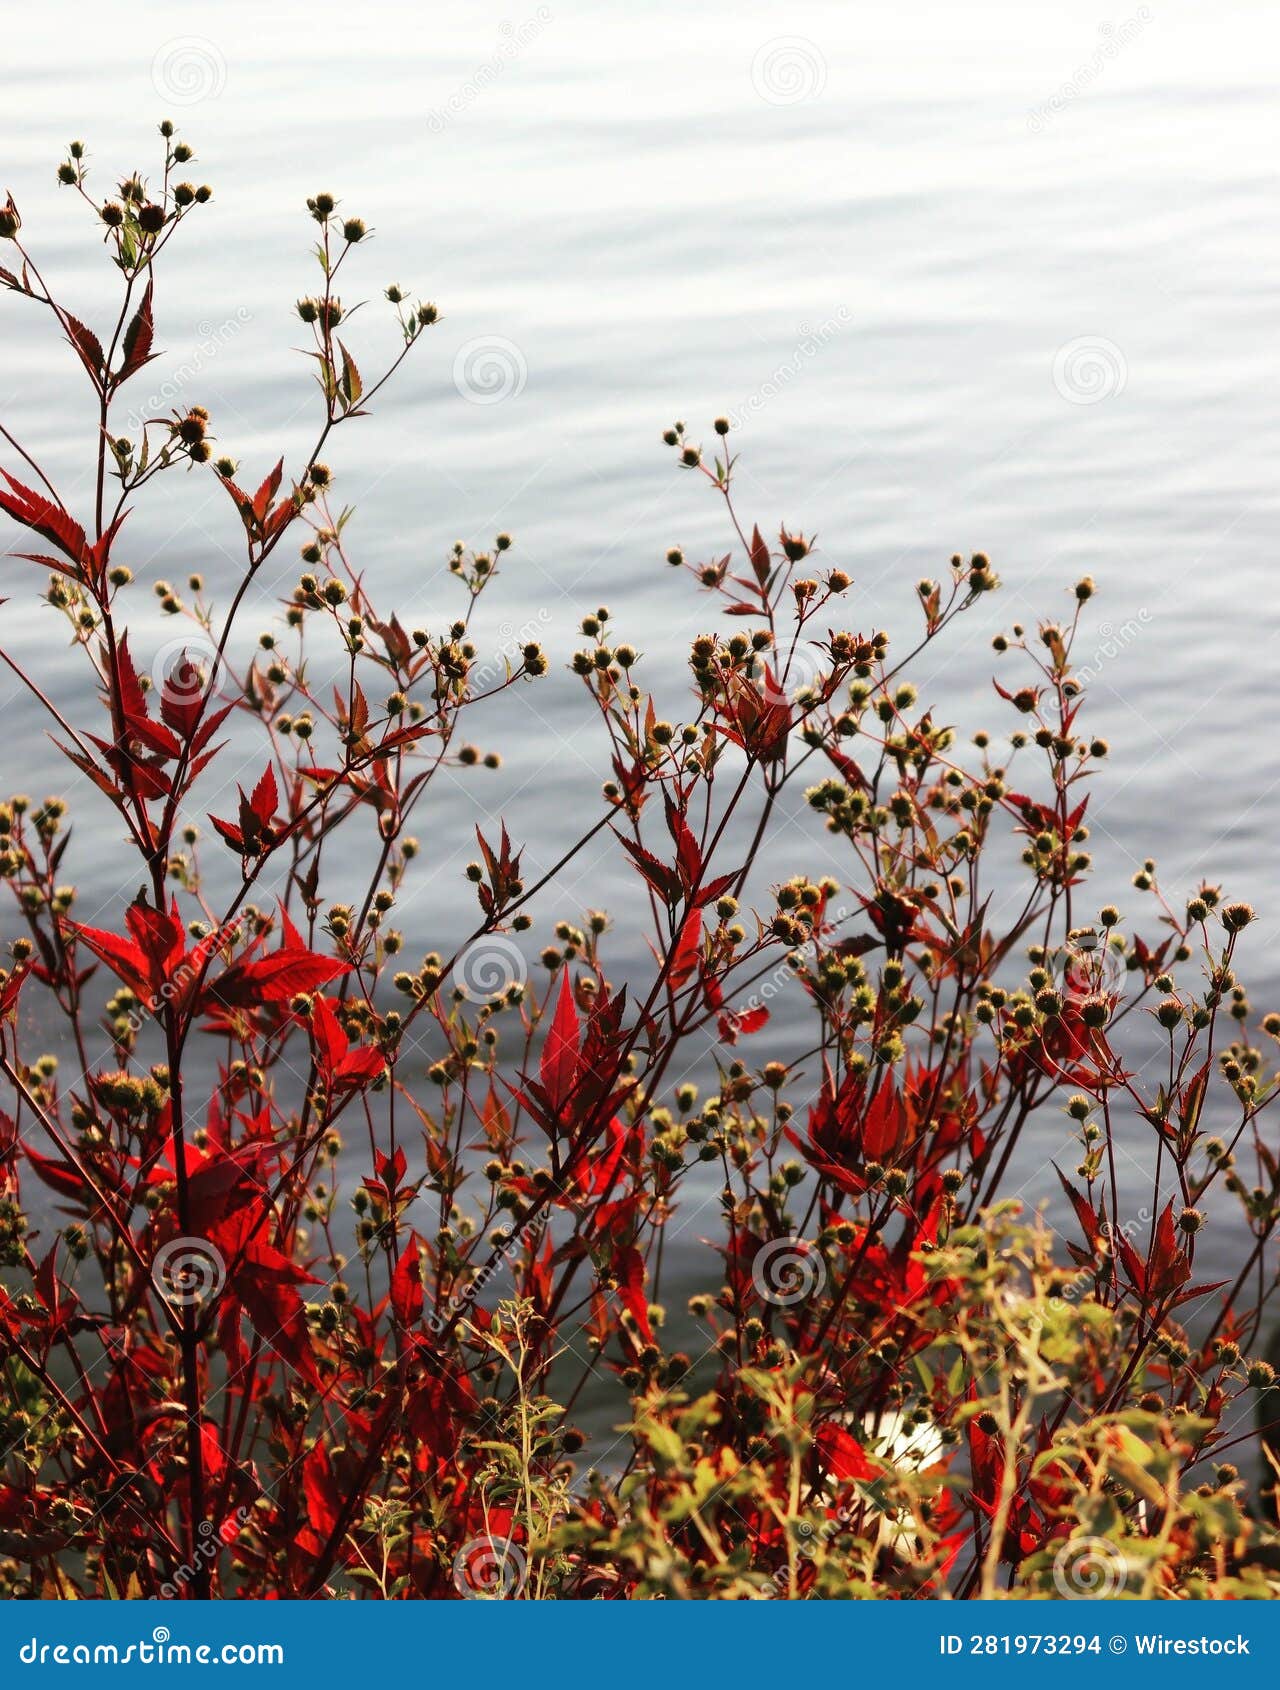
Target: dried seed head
1095,1011
1237,916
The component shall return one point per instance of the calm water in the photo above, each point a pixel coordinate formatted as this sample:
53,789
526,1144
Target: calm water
988,277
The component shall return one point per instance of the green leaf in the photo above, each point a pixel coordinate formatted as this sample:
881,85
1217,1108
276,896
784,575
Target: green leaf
352,386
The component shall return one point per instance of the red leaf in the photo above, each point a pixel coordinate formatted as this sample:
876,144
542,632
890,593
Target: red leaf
987,1461
842,1456
1169,1267
87,345
1133,1264
137,338
1085,1212
331,1041
133,701
159,936
265,796
628,1268
406,1284
659,876
230,832
33,510
320,1489
688,856
560,1052
9,991
182,697
885,1123
688,949
734,1023
265,1284
760,561
263,497
60,1176
342,1065
1193,1101
275,978
120,955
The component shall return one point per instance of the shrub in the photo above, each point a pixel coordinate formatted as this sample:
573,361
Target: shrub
241,1359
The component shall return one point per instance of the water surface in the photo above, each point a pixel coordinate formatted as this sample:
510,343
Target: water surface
971,277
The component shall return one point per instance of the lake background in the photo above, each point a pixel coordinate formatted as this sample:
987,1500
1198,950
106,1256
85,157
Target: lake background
979,277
